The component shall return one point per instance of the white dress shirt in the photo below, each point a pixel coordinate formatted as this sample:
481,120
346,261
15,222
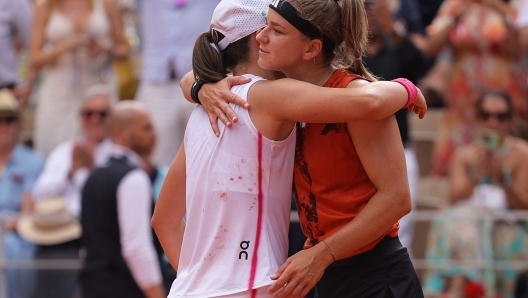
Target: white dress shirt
134,206
54,182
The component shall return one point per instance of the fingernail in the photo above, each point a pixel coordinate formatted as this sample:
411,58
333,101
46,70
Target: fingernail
228,124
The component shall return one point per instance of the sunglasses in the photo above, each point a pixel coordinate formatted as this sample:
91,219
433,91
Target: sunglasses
8,120
499,116
90,113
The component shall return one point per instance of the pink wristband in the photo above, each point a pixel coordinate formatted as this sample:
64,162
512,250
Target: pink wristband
412,91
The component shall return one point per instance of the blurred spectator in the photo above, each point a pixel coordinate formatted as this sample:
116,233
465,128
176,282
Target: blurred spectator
66,170
409,13
522,23
121,259
19,168
486,56
74,41
169,30
392,56
488,176
15,24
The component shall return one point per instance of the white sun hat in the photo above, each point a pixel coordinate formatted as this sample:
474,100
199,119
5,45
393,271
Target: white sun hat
49,224
236,19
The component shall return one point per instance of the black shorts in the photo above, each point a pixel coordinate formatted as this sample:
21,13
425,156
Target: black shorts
385,271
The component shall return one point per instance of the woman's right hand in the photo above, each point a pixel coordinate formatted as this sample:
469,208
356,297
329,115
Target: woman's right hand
215,99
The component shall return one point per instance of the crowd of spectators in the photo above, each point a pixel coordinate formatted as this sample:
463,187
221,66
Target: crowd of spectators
67,64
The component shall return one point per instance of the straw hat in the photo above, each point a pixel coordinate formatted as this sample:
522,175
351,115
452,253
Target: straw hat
8,101
49,224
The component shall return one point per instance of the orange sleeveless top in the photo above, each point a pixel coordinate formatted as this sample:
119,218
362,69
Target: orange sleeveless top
330,184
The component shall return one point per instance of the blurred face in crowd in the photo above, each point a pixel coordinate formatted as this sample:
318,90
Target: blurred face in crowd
142,136
494,114
379,16
94,117
373,21
9,126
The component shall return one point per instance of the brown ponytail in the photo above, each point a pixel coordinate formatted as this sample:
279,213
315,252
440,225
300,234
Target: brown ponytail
212,65
347,29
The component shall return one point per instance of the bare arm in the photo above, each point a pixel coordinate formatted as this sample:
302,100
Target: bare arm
288,99
26,207
434,43
121,47
167,221
379,147
461,184
517,192
186,84
438,33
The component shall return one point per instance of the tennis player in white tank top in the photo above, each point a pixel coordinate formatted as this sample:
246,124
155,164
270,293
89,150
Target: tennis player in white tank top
235,188
238,207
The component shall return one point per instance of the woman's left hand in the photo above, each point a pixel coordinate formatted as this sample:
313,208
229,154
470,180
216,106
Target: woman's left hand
215,99
299,274
419,106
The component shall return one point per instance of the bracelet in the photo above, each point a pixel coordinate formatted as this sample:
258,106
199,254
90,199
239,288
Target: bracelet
195,88
412,91
329,250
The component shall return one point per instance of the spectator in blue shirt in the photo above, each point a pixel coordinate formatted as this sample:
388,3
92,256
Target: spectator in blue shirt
19,168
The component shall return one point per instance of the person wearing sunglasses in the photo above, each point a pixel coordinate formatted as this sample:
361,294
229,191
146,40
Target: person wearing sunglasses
486,176
66,170
19,168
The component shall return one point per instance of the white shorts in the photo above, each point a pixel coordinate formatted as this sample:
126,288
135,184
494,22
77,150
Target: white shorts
261,293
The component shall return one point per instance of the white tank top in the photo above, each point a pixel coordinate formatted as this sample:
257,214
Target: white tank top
239,187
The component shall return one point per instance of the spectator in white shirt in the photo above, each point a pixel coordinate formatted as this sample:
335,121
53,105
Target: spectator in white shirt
64,175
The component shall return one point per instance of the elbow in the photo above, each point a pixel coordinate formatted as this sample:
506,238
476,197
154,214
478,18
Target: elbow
404,203
155,223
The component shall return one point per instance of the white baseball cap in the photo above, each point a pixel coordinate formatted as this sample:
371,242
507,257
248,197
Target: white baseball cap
236,19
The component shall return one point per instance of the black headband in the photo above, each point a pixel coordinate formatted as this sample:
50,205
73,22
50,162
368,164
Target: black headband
288,12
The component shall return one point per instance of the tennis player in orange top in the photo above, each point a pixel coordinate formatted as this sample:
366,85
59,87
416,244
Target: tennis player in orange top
350,178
